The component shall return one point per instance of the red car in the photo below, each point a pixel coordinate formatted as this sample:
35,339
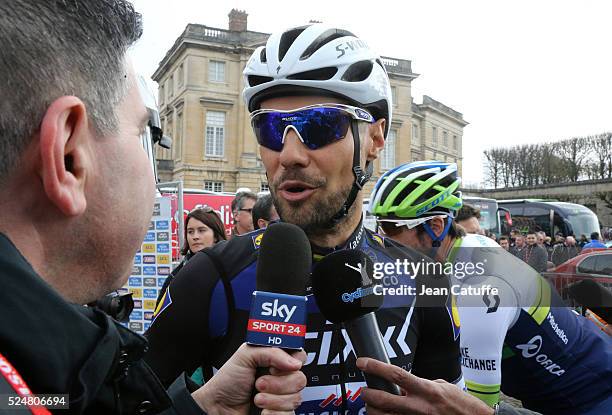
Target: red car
594,264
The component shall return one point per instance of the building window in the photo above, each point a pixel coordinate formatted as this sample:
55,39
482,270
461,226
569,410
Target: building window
215,133
434,136
170,87
445,138
265,187
181,75
415,135
213,186
387,157
394,95
455,143
216,71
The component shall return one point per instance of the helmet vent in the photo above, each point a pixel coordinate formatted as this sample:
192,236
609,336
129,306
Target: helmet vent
322,40
321,74
287,40
255,80
359,71
262,56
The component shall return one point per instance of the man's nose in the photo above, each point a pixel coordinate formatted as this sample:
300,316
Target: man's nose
294,152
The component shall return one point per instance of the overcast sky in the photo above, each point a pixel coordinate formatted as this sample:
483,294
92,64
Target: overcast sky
519,71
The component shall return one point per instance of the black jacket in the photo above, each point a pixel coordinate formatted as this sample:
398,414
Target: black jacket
63,348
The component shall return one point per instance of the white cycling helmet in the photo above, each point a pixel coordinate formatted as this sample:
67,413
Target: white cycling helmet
319,59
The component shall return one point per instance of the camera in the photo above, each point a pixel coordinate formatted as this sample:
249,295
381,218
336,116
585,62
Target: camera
117,305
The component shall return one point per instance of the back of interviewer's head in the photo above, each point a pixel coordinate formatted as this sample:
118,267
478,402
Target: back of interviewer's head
262,209
54,48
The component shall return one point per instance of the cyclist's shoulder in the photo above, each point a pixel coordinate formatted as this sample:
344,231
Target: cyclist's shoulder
477,241
393,249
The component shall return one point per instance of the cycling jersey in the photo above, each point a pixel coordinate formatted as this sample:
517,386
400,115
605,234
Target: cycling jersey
524,338
202,321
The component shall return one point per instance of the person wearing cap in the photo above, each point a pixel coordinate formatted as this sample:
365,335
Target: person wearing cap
320,107
517,335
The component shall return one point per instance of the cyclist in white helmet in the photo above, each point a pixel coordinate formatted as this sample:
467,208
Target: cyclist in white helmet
320,104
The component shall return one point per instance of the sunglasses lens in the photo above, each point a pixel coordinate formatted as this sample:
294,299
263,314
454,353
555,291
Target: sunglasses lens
269,129
318,127
324,126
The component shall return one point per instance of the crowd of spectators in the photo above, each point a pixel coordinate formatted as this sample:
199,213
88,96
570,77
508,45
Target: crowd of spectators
537,249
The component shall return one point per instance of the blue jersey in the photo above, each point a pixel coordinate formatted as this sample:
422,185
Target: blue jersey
202,321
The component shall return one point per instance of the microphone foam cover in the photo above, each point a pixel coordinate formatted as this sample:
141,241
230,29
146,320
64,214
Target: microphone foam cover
284,261
343,286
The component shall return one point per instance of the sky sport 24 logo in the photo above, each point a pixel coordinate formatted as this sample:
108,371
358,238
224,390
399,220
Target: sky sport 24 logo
273,309
277,320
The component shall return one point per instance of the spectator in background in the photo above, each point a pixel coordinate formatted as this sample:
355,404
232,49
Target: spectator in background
583,240
504,242
242,208
264,212
544,241
468,219
491,235
534,254
203,229
565,251
513,234
595,242
519,245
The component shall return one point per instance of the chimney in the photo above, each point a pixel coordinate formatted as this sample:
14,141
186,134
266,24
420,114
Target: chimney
237,20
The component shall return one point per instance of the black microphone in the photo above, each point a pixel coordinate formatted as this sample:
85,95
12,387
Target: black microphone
593,296
278,309
347,293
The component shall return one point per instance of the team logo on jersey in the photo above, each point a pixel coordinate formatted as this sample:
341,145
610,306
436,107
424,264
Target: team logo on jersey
379,239
336,400
164,303
532,349
257,240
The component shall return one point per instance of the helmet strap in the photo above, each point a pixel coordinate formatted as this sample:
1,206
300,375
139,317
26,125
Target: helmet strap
436,241
361,176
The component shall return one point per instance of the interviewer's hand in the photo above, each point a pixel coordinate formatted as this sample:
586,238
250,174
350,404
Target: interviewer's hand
421,396
230,390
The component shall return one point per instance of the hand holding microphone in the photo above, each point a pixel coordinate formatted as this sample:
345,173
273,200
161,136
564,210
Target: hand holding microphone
278,308
344,289
229,392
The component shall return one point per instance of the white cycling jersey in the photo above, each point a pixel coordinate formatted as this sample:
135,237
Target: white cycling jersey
517,334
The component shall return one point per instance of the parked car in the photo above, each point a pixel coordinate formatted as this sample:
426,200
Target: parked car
595,264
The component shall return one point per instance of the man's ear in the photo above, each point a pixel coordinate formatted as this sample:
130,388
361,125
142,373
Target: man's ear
376,132
437,225
64,157
262,223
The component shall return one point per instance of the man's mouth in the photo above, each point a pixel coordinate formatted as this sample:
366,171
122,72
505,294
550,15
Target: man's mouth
293,190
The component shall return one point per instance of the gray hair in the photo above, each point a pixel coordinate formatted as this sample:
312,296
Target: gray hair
54,48
238,202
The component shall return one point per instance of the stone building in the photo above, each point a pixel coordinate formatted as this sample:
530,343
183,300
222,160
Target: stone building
200,83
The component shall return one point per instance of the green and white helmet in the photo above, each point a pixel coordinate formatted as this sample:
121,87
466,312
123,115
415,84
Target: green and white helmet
417,189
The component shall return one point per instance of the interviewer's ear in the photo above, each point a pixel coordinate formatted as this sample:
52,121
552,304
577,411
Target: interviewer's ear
376,133
64,156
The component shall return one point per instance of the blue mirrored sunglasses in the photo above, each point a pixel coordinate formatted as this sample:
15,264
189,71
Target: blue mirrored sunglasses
315,125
